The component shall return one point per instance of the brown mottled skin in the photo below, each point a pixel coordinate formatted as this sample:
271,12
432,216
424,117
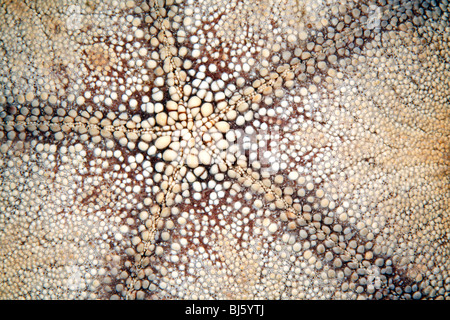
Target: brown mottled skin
216,149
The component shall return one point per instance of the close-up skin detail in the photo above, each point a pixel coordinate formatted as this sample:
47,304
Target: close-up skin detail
225,149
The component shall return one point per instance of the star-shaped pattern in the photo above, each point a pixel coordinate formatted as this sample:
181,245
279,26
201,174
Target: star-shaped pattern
224,149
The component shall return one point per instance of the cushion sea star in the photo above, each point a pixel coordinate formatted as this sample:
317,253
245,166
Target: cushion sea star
235,149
